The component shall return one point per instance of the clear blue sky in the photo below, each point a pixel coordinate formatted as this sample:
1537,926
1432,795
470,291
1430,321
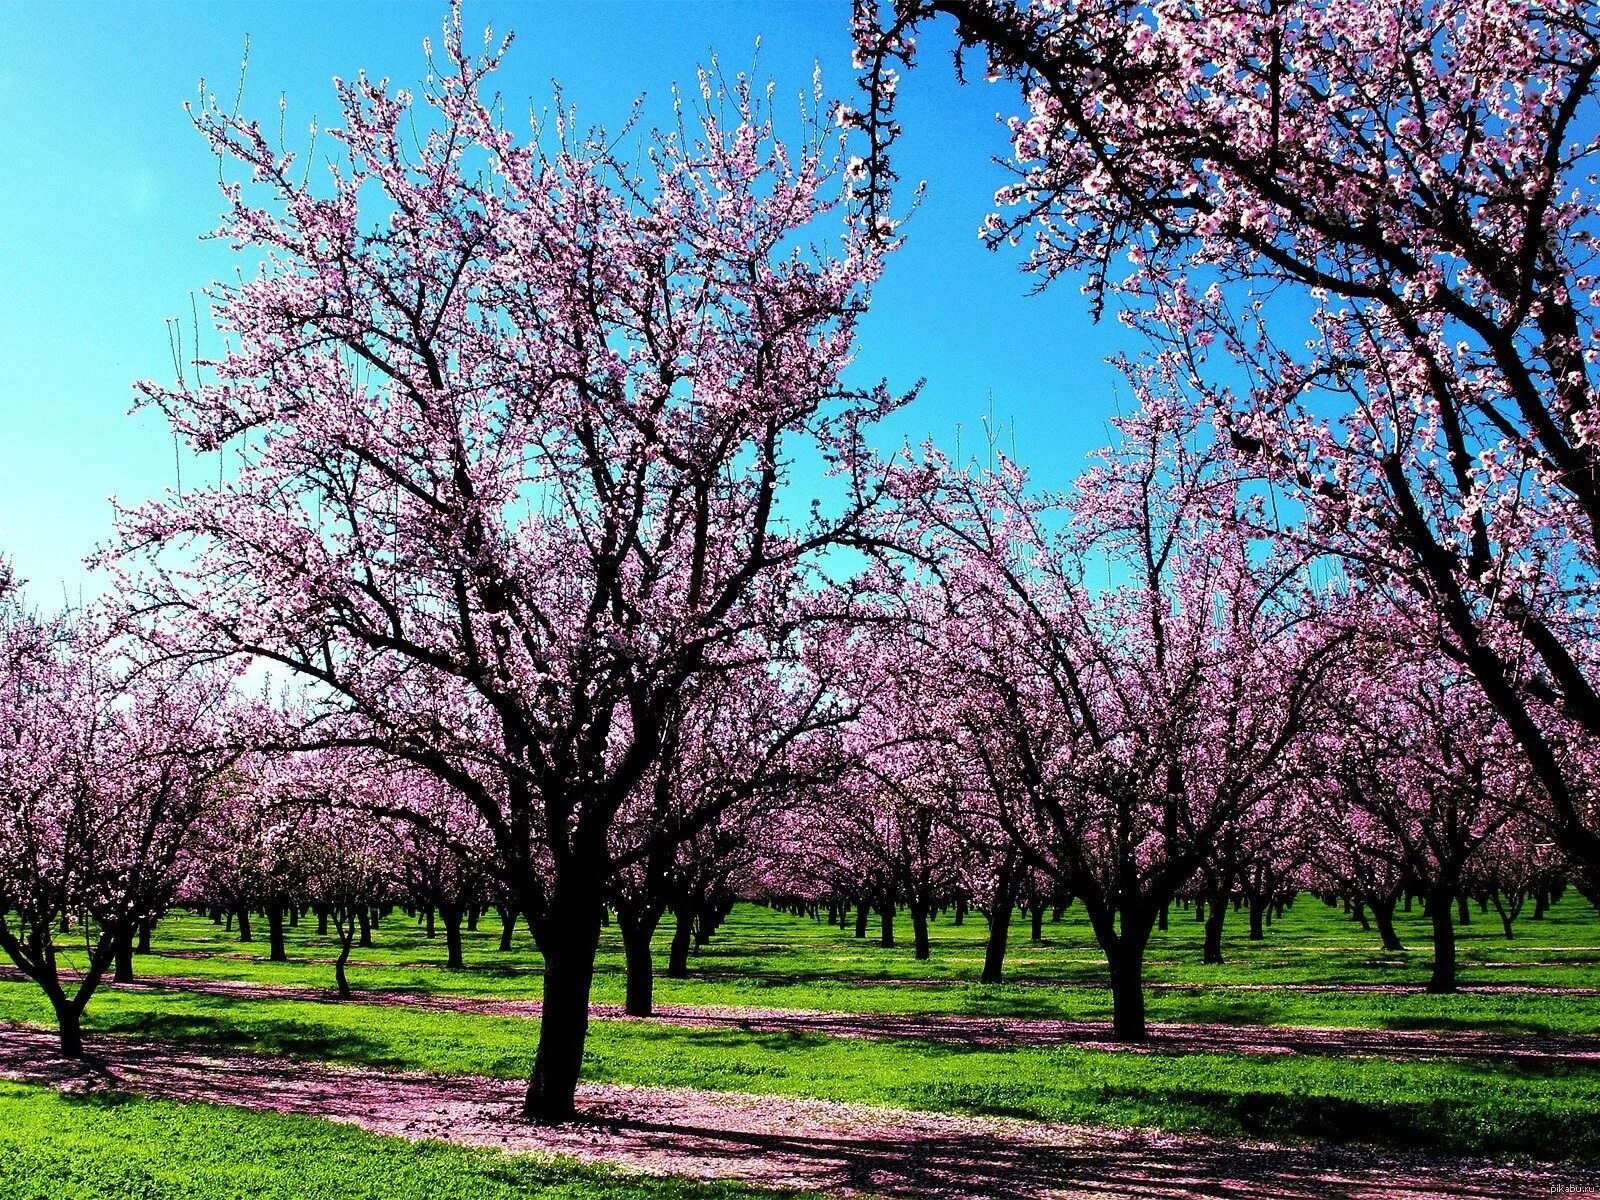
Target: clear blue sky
105,190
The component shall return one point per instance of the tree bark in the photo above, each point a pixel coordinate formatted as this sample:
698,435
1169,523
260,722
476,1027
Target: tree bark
1443,979
1127,994
1036,918
994,952
1216,916
1258,910
508,925
886,927
638,930
70,1023
1383,917
862,913
919,932
682,939
451,915
122,972
244,926
570,935
278,952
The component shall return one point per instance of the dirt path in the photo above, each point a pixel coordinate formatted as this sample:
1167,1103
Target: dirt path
838,1148
996,1032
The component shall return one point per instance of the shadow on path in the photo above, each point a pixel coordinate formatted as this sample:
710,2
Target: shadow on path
780,1142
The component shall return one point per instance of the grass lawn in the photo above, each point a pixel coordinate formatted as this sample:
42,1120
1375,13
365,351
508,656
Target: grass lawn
1435,1105
765,958
108,1147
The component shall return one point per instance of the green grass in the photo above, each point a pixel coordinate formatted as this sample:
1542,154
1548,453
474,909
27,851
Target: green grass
770,959
1434,1105
765,958
112,1147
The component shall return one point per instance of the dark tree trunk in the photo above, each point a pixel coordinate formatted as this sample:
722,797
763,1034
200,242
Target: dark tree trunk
682,939
1463,913
364,921
122,972
345,940
1443,978
428,917
146,929
961,911
638,930
278,952
1258,910
472,919
570,934
70,1023
1200,908
1127,994
1161,921
508,925
886,927
919,932
1216,916
1383,918
451,915
1036,917
862,912
994,952
322,922
244,926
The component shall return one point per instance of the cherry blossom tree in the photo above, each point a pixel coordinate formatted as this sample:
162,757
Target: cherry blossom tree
1119,729
1423,758
1367,230
740,745
512,423
104,768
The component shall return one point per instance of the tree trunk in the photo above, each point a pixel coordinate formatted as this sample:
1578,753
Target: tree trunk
1036,917
364,921
886,928
994,953
682,939
638,930
70,1023
1463,913
146,928
862,912
322,922
508,925
1383,917
1161,921
1258,909
919,932
345,939
570,936
1127,994
278,952
961,912
451,915
123,970
244,926
472,919
1444,943
428,916
1216,916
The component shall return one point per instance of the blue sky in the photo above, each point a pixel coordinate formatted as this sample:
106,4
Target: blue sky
105,190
